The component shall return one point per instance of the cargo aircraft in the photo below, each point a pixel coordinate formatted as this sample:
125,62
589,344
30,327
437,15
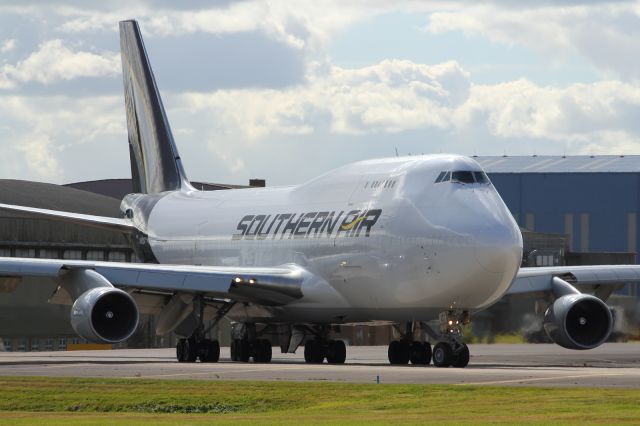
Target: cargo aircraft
409,241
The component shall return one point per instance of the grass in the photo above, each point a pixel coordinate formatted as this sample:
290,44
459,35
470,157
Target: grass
68,401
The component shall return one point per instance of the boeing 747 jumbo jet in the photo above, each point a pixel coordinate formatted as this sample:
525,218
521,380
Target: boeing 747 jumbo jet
403,240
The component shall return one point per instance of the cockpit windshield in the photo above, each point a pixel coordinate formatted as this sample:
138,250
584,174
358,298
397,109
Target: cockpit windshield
463,176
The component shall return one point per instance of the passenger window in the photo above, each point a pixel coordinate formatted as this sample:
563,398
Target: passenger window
462,177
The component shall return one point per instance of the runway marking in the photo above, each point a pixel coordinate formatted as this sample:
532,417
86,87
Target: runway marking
212,372
541,379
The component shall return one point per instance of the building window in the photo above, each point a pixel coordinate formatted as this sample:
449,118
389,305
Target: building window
95,255
117,256
62,344
72,254
25,252
49,253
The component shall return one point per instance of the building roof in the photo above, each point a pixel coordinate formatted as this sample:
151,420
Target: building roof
118,188
56,197
560,164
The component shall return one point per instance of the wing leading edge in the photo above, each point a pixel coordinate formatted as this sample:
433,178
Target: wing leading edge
268,286
530,280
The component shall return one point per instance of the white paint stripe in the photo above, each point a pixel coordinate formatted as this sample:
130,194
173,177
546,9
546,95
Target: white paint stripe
540,379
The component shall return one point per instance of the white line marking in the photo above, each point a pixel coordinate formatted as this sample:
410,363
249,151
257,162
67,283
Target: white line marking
540,379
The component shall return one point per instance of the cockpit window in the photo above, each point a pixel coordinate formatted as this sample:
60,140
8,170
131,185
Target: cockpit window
481,177
462,177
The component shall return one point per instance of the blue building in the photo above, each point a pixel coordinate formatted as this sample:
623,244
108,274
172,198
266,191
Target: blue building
595,200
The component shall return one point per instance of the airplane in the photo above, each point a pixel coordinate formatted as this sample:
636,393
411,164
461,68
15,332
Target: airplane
401,240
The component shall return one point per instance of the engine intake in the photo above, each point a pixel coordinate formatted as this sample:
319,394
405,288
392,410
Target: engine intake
578,321
104,315
100,313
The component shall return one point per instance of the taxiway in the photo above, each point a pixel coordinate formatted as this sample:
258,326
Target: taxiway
611,365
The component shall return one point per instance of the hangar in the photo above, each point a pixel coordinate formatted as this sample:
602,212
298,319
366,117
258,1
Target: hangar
26,322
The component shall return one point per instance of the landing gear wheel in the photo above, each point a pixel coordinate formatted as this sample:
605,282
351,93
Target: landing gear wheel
233,349
398,352
242,350
314,352
180,350
190,349
420,353
262,351
461,357
442,354
336,352
209,351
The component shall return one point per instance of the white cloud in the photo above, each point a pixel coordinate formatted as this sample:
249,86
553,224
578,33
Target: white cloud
604,34
399,96
45,133
53,61
8,45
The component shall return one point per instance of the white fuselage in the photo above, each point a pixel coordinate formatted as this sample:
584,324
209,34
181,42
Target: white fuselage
384,239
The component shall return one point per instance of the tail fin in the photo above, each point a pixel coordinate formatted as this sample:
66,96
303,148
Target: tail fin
155,162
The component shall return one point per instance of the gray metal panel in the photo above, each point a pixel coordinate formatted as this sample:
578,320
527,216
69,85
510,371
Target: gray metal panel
561,164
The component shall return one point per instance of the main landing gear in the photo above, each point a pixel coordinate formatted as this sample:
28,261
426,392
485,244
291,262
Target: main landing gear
321,347
407,350
450,351
197,346
245,345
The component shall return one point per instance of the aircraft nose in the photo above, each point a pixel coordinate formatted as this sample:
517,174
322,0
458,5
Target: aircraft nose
499,246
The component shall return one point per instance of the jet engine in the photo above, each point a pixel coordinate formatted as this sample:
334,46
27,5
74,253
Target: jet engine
578,321
100,313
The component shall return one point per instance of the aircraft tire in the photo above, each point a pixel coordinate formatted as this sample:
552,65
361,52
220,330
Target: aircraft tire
180,350
210,351
461,357
190,350
420,353
314,352
399,352
442,354
337,352
262,351
243,350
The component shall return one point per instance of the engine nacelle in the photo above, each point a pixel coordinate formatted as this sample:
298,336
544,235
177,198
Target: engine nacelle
104,315
578,321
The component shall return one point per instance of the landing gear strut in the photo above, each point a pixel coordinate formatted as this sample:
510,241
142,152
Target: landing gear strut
321,347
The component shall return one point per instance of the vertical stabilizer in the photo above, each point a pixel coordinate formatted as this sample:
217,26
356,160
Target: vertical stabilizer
155,162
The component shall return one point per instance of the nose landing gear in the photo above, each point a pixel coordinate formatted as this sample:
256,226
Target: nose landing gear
449,351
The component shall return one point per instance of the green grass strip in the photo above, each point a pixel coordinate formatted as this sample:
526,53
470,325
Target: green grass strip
29,400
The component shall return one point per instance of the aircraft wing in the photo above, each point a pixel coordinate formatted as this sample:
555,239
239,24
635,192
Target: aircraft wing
267,286
599,278
110,223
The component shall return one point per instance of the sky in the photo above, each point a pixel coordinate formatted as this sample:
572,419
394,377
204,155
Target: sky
287,90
